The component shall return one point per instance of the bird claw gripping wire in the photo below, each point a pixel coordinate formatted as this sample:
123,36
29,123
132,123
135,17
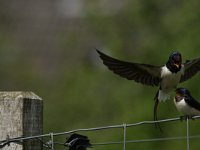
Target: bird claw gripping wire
78,142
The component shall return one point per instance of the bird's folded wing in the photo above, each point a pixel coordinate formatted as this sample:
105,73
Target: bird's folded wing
193,103
191,68
141,73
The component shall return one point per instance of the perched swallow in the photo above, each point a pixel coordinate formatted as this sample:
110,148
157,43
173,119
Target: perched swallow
78,142
185,103
166,77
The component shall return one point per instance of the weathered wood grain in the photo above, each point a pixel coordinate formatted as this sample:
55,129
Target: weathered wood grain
21,114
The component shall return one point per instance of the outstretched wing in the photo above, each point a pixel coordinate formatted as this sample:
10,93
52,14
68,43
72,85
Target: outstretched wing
141,73
191,68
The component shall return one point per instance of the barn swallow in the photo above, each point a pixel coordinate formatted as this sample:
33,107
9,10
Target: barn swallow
166,77
78,142
185,103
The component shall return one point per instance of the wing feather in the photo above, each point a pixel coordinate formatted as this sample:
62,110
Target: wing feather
193,103
141,73
192,67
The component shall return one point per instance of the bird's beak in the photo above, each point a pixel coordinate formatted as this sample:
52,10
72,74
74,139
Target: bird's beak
177,65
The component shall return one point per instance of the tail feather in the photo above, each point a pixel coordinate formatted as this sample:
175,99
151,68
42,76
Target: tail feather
155,109
157,125
162,96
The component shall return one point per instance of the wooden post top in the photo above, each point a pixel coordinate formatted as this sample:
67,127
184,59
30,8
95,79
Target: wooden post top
18,94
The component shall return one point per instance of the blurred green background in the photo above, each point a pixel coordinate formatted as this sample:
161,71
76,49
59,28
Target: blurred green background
48,47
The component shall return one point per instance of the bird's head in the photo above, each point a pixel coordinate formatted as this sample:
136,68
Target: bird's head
181,93
175,60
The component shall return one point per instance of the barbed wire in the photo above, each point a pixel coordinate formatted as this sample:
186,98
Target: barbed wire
51,143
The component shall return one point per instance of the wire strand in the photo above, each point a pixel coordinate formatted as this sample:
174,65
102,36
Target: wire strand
124,143
187,134
148,140
124,126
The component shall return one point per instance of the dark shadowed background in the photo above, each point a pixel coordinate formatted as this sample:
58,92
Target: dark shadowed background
48,47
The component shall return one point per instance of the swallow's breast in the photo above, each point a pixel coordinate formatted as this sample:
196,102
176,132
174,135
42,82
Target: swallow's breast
184,108
169,79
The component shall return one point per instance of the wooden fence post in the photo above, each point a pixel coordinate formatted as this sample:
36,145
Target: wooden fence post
21,114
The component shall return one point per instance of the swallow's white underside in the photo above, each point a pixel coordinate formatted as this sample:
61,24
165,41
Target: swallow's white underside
169,82
184,108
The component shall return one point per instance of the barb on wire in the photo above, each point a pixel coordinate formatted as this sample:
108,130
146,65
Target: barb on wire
8,141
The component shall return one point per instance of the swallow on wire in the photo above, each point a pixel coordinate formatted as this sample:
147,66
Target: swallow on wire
78,142
166,77
185,103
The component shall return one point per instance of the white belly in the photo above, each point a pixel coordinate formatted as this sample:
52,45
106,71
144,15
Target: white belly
184,108
169,82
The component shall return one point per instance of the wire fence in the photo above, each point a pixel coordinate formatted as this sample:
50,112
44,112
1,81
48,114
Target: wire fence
51,143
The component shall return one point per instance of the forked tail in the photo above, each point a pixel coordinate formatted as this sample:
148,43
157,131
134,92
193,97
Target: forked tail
162,96
155,117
